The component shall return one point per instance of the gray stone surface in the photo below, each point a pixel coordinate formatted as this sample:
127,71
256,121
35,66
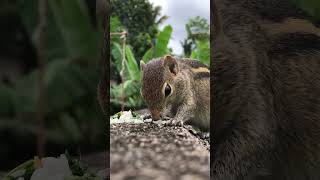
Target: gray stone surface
149,151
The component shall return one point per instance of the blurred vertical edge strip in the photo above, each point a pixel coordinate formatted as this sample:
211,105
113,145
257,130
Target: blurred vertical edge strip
42,70
102,11
212,8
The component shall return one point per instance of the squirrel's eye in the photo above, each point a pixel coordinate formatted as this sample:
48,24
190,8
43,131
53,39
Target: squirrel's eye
167,90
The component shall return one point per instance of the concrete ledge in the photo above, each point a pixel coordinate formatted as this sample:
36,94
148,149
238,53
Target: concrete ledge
151,151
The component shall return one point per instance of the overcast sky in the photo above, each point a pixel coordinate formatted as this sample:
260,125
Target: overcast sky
179,11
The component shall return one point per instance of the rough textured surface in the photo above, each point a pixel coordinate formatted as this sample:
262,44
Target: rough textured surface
151,151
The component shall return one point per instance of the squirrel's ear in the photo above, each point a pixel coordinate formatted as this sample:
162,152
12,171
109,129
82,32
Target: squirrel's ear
142,64
171,63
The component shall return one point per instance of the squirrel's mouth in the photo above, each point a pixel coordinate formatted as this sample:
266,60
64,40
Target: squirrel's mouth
155,114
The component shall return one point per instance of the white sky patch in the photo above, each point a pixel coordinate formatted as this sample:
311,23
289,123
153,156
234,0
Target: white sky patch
179,12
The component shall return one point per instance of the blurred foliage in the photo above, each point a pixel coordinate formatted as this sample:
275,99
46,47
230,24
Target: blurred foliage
312,7
140,19
69,26
197,43
202,51
132,75
72,52
24,170
71,72
131,79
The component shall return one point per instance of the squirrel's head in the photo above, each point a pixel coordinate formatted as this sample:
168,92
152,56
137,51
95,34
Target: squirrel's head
158,83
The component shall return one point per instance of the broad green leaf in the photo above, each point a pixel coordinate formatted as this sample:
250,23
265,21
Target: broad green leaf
148,55
163,38
26,168
203,51
117,51
132,65
117,55
194,54
66,85
115,24
73,21
161,47
65,82
55,46
69,30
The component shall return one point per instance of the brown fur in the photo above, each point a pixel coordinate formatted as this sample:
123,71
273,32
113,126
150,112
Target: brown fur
200,69
266,95
290,25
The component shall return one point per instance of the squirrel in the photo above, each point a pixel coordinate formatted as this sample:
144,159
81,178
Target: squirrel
178,88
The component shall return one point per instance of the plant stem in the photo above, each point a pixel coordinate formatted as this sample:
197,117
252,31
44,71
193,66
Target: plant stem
123,36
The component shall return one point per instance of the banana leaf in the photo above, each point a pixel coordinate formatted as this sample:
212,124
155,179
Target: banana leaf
161,47
132,65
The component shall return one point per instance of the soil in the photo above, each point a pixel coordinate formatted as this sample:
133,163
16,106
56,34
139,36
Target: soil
150,151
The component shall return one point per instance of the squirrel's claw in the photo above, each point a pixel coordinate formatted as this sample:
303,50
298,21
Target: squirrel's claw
175,122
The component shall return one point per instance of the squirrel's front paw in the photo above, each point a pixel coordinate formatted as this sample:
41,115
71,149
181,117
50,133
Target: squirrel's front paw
175,122
166,118
147,118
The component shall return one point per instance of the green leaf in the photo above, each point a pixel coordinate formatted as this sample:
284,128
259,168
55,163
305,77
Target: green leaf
131,93
194,55
203,51
115,24
161,47
55,46
148,55
132,65
73,21
163,38
117,55
65,83
27,167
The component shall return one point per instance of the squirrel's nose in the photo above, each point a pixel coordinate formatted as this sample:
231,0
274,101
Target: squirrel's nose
156,115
